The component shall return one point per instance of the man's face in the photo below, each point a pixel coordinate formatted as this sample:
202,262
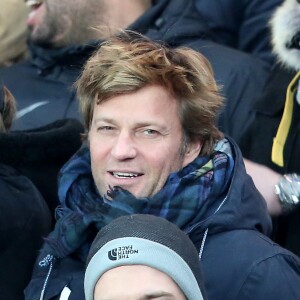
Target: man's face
136,282
60,23
136,141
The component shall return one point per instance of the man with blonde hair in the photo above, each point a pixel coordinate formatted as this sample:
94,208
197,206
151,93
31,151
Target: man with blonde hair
153,148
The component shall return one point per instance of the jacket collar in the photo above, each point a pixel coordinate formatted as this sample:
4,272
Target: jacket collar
75,56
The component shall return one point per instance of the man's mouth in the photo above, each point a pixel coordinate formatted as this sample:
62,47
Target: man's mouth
125,175
33,4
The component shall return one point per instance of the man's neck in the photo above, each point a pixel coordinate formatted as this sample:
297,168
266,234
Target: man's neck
121,14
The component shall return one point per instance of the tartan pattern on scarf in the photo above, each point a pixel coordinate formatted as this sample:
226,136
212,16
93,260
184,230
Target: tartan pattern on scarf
83,211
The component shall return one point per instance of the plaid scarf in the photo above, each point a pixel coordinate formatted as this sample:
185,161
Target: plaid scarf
188,197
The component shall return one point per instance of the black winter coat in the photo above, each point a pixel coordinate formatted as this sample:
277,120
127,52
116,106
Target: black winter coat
24,221
40,153
29,163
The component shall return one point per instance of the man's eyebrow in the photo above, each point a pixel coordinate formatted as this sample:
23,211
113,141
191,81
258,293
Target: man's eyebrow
103,119
157,295
151,296
151,123
162,127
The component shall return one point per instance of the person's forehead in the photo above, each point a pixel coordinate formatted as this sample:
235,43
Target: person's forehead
151,284
151,91
145,105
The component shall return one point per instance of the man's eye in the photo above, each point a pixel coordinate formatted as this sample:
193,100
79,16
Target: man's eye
150,132
105,128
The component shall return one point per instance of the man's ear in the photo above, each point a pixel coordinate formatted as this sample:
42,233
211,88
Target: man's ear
192,151
85,138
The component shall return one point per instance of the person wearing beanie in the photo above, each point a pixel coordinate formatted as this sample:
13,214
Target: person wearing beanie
139,247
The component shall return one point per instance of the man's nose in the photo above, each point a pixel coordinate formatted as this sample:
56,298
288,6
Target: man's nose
124,147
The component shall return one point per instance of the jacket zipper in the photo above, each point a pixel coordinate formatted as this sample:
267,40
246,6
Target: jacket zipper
47,261
206,230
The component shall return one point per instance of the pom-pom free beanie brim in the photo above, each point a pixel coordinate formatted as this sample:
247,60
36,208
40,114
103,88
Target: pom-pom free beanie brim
145,240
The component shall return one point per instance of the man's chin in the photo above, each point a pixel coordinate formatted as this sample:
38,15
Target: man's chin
112,192
39,40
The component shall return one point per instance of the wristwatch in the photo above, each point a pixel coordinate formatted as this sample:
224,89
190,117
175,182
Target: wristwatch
288,191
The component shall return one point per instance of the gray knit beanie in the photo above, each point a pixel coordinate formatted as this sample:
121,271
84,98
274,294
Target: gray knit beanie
145,240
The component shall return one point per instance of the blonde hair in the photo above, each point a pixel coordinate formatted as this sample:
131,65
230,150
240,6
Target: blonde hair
13,31
129,61
7,109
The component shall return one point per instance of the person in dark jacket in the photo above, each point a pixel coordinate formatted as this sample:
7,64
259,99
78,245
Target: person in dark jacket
29,163
153,148
63,36
241,24
24,217
271,143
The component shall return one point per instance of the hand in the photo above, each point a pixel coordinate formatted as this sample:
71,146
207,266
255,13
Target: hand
265,179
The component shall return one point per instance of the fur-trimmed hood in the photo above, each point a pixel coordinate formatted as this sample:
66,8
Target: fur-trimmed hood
285,28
